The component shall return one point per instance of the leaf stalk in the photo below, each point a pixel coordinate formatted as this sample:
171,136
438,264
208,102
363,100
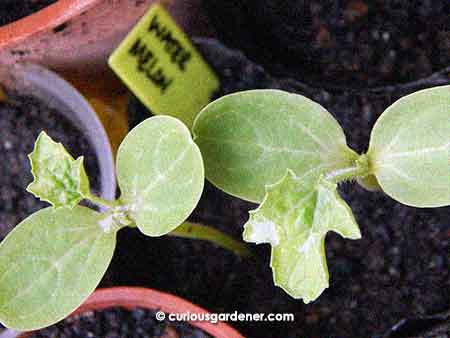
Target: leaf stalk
102,202
210,234
360,168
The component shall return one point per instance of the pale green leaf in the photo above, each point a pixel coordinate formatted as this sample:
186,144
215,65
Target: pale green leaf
58,178
295,218
410,149
249,139
50,263
160,173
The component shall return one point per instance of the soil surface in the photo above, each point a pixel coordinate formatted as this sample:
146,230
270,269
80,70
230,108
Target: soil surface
119,323
346,42
12,10
21,121
398,270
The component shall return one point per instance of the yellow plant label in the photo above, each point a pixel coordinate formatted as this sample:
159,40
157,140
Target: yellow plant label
160,65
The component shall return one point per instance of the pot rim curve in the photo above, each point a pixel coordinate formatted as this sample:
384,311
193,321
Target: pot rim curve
44,19
132,297
52,89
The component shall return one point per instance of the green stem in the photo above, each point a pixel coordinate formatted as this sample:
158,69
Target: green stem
100,201
360,168
343,174
207,233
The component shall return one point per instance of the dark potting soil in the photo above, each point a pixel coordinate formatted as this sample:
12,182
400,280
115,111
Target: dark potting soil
398,270
119,323
21,121
345,42
12,10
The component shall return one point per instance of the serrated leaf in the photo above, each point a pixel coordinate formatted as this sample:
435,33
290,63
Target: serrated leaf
410,148
249,139
58,178
50,263
295,218
160,174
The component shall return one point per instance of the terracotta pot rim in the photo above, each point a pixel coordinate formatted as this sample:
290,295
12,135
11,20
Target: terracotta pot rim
44,19
132,297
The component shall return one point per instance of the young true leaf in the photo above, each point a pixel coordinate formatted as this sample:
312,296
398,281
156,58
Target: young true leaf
50,263
249,139
160,174
410,149
295,218
58,178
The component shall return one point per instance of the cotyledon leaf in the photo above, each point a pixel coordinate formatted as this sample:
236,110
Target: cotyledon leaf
249,139
50,263
160,174
409,148
295,218
58,178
